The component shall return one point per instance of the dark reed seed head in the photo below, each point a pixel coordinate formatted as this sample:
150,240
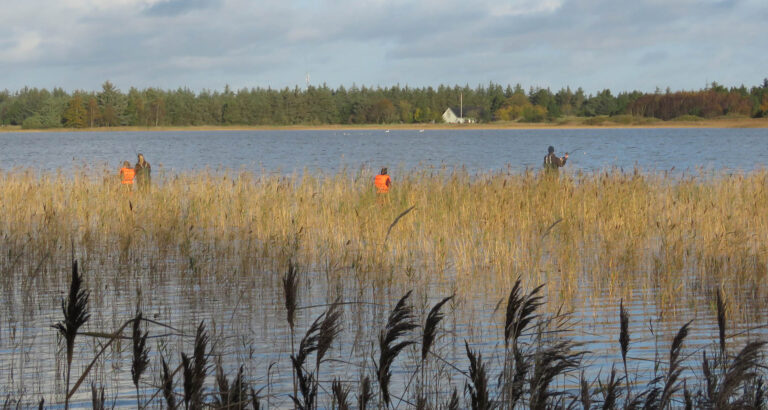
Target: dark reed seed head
687,397
75,309
200,363
585,395
340,394
291,291
453,401
478,377
520,313
189,375
610,390
309,343
168,386
233,396
41,404
307,387
330,327
741,371
430,326
140,351
624,330
401,320
671,383
721,306
551,361
366,394
195,370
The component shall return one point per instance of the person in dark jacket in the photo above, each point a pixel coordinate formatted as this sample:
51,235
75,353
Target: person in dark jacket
552,162
143,172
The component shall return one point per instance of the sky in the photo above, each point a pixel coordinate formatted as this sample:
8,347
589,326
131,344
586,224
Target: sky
621,45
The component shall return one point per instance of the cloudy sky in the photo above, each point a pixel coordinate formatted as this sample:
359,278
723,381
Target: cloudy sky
206,44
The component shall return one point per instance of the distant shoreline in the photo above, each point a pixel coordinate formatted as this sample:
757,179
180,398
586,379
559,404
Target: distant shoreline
579,123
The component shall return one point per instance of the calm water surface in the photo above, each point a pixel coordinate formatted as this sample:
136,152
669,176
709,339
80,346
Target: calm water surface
478,150
245,313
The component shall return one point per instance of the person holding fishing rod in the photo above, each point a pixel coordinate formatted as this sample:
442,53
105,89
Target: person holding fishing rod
552,162
143,172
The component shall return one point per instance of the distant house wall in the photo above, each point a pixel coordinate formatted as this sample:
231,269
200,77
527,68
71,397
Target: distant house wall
450,117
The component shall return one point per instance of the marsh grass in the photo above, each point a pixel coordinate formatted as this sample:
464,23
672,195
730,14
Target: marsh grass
659,231
664,237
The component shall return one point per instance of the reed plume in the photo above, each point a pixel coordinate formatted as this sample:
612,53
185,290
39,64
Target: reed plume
520,312
305,380
167,383
671,383
430,327
624,343
330,327
234,396
340,394
195,370
740,371
75,309
585,392
721,306
551,359
401,320
478,381
366,394
610,390
140,354
290,294
453,401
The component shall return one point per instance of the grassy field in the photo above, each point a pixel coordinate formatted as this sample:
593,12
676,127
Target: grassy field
669,235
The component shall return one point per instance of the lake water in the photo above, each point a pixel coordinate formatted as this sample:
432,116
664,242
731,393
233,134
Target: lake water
244,312
329,151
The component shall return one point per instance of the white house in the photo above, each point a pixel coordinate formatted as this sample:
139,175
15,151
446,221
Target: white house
450,117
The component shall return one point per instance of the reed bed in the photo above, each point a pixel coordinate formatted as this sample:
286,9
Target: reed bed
542,366
669,235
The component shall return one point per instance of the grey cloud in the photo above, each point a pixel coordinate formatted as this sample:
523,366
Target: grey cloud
208,43
177,7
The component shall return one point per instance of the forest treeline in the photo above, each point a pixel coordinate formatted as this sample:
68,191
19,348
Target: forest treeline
316,105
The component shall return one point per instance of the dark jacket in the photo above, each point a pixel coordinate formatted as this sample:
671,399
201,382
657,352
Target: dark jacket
143,173
553,162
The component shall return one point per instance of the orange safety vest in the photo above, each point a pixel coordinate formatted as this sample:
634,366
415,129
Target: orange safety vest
127,174
382,183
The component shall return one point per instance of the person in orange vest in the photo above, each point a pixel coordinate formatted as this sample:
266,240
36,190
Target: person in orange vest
382,182
127,174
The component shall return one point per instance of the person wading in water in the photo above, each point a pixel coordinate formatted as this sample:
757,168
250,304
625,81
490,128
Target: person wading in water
382,182
127,174
552,162
143,172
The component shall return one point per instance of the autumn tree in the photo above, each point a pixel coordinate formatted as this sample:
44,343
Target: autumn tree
75,114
